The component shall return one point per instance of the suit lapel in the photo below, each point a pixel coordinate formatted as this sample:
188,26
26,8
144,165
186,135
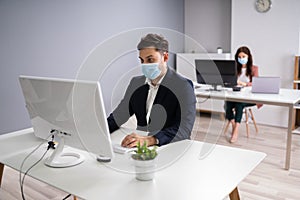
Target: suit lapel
161,93
163,88
142,100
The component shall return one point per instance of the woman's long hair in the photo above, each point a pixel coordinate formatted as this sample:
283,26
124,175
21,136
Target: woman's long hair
249,64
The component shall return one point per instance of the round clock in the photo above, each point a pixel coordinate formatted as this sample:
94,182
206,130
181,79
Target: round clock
263,5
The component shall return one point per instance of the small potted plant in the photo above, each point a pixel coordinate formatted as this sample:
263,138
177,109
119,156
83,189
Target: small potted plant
144,161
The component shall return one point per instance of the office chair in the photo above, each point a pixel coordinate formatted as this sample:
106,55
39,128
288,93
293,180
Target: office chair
247,111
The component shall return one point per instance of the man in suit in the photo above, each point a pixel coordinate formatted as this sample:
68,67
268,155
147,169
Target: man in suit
162,100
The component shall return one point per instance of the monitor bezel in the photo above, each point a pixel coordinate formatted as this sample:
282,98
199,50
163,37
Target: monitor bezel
212,72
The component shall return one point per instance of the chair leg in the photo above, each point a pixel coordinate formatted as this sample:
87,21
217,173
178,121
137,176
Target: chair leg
254,122
247,123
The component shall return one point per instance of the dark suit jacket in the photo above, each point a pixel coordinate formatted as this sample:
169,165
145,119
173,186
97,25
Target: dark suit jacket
173,112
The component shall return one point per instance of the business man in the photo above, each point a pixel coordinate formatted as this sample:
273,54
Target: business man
162,100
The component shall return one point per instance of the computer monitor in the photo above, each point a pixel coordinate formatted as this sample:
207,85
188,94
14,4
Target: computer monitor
73,112
216,72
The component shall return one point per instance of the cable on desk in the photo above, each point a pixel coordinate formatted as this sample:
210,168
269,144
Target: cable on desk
204,100
21,180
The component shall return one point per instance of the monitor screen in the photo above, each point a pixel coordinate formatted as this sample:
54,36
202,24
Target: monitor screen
216,72
72,110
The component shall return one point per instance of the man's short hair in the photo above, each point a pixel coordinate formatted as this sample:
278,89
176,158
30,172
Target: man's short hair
154,40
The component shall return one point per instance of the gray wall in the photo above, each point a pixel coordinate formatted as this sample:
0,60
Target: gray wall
208,22
52,38
273,38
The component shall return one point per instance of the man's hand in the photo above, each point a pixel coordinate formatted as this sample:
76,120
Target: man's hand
133,139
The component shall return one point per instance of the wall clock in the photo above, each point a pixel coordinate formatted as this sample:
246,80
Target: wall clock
263,6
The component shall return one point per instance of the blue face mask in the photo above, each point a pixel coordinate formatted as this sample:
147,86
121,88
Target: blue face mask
151,70
243,60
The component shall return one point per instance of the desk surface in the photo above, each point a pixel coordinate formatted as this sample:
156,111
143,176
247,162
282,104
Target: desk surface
285,97
181,174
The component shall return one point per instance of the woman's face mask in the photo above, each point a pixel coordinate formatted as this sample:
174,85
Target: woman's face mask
243,61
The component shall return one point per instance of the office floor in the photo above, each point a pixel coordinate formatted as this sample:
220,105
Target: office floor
269,181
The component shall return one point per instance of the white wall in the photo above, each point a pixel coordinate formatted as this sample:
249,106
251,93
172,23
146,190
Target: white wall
273,38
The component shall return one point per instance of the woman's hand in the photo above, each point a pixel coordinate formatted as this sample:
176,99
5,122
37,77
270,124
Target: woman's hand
242,83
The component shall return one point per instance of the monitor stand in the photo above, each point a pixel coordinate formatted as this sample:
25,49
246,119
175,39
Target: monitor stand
214,88
59,159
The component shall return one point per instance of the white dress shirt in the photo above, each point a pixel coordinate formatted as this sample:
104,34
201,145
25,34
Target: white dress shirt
151,96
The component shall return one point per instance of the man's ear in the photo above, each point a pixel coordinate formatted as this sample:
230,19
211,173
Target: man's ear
166,56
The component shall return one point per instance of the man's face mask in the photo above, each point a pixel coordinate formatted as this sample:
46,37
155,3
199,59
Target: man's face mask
151,70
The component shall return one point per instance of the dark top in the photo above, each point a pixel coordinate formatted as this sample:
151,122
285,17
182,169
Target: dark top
173,112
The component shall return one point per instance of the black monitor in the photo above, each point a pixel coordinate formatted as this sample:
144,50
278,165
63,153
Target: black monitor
216,72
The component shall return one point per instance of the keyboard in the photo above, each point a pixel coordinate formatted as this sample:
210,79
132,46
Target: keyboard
117,148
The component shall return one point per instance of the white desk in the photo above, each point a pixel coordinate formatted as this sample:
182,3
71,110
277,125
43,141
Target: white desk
181,174
286,98
185,63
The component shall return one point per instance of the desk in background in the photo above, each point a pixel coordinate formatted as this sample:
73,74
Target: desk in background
181,174
185,65
286,98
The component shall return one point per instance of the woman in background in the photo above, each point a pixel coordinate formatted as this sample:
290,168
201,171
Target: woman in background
245,71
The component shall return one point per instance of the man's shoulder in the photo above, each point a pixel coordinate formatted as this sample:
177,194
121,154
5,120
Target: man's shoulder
138,79
174,76
177,83
136,82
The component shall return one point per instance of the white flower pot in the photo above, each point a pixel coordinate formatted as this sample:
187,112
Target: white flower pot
144,169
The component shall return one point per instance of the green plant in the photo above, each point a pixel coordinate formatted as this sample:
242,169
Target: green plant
144,153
